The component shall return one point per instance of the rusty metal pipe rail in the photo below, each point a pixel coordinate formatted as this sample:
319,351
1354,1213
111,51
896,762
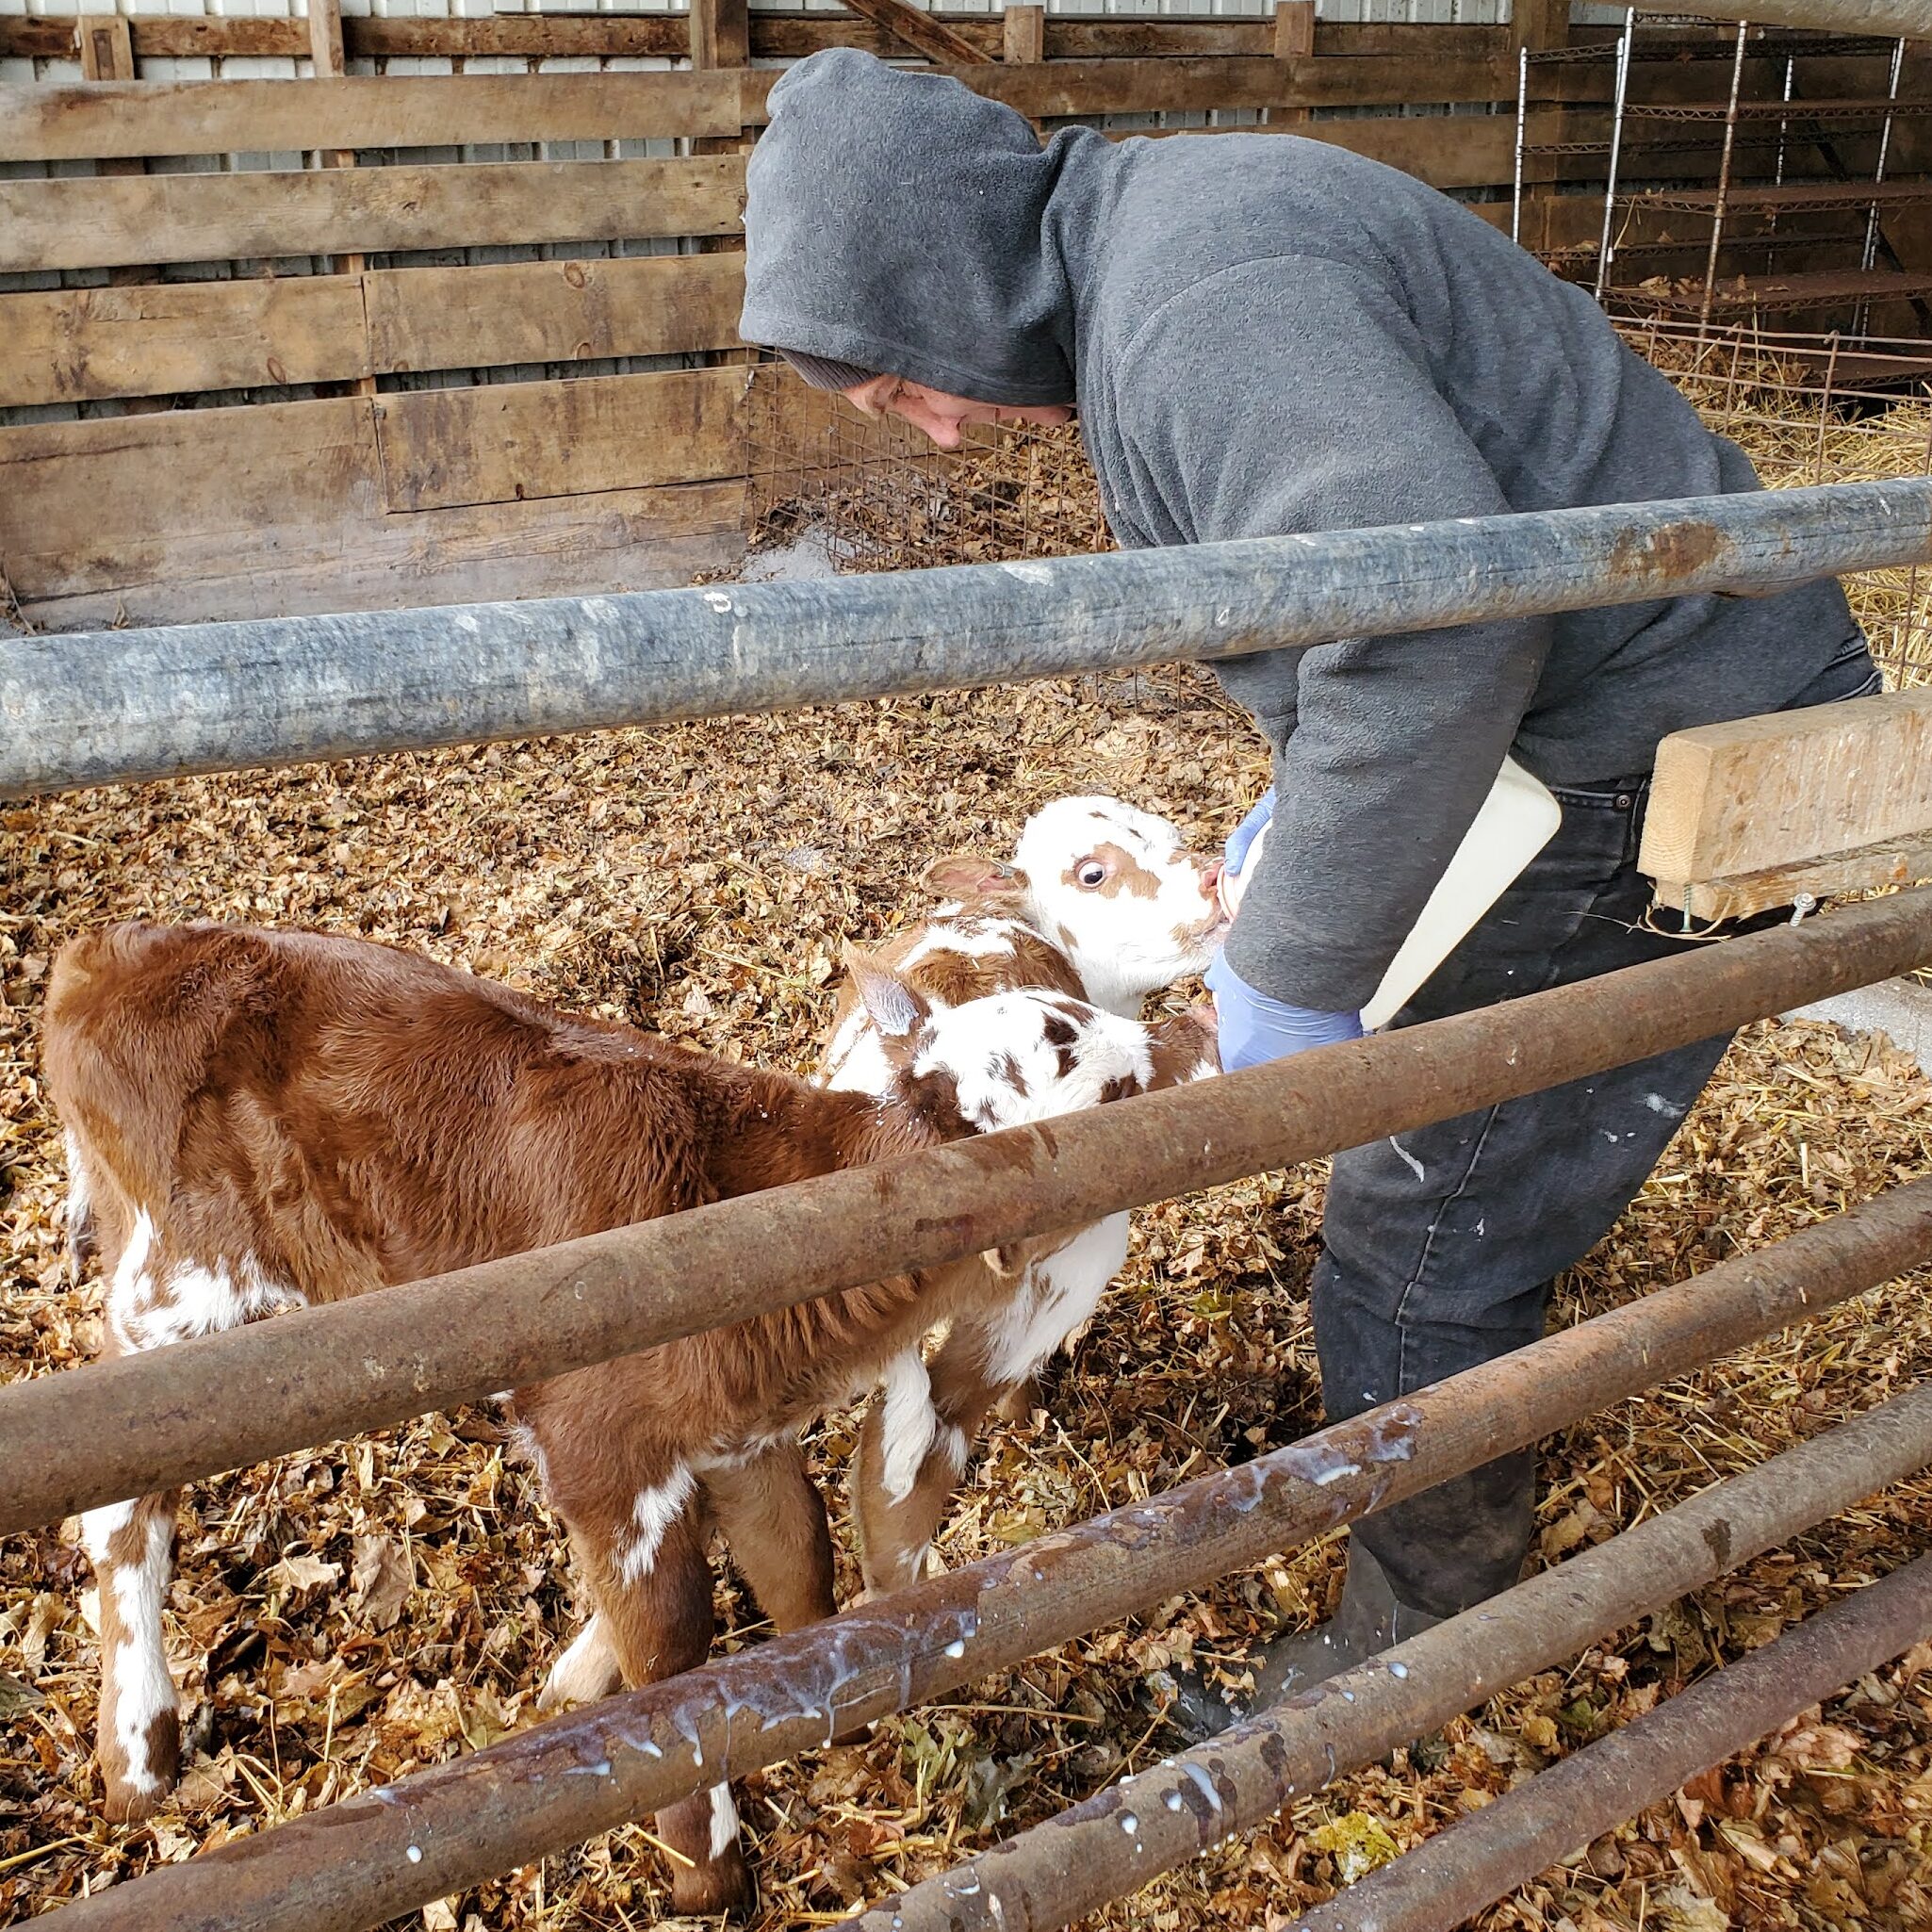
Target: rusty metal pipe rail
1148,1823
373,1856
1471,1864
108,707
147,1423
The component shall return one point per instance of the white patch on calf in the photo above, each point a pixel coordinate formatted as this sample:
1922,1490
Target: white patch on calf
138,1662
654,1511
1062,1290
98,1526
724,1821
908,1423
1123,943
191,1299
586,1672
80,1191
1023,1057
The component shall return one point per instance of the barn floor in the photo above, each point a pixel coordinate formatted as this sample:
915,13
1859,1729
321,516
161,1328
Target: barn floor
345,1617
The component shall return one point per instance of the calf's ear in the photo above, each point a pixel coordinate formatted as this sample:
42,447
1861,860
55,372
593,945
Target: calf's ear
894,1005
968,876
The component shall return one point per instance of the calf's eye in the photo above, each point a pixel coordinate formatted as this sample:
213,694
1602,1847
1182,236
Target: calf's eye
1091,873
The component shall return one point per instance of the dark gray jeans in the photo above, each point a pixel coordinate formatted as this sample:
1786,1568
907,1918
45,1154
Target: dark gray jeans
1439,1247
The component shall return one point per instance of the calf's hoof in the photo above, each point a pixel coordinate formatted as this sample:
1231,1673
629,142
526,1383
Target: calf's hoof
724,1885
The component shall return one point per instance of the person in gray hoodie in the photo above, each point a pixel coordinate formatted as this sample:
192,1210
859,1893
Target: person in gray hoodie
1263,333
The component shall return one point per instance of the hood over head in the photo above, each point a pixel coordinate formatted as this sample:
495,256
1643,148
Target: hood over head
895,221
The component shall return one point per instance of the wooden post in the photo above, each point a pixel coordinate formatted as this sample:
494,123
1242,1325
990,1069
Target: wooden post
721,37
1294,43
106,52
1022,34
325,49
720,34
325,38
1537,27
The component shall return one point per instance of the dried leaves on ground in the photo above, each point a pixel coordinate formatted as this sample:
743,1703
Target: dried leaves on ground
345,1616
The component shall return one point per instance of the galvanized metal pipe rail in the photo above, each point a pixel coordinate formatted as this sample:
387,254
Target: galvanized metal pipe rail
1148,1823
378,1855
113,706
1471,1864
147,1423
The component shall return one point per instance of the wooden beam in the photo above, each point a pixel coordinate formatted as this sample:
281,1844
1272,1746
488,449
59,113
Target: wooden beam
1871,868
1059,90
523,312
511,442
1748,805
921,32
200,218
1022,33
219,117
792,36
617,540
1539,26
172,338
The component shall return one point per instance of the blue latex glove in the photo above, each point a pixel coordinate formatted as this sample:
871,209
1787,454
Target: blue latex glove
1254,1028
1235,851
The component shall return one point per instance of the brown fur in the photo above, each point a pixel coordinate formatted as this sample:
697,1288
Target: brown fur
893,1537
344,1117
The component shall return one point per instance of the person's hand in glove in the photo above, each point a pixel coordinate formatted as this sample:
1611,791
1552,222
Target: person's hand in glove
1254,1028
1244,835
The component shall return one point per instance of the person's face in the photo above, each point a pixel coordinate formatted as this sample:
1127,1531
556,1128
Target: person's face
940,416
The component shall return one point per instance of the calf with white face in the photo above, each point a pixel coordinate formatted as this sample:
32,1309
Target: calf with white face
1100,902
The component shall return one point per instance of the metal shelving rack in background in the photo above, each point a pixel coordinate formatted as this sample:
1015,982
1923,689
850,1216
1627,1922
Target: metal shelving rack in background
1754,148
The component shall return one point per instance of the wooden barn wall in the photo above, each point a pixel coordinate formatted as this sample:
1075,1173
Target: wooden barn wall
433,299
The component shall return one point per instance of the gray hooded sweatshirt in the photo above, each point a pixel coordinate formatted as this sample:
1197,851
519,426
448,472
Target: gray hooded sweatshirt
1267,334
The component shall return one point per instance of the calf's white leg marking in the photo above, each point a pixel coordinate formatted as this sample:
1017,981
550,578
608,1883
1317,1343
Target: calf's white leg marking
909,1423
724,1821
654,1511
586,1671
1062,1289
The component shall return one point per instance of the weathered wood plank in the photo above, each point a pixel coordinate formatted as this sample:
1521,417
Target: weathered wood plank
219,117
1771,795
211,512
1059,90
513,441
474,317
919,32
172,338
617,540
168,339
1893,863
185,218
89,505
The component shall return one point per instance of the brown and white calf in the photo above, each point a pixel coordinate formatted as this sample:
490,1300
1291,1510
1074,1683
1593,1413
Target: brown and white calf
257,1120
1103,902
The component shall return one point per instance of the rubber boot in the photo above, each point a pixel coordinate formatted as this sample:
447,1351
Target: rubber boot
1369,1620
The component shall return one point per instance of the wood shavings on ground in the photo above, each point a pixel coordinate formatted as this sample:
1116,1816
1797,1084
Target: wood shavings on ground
351,1614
